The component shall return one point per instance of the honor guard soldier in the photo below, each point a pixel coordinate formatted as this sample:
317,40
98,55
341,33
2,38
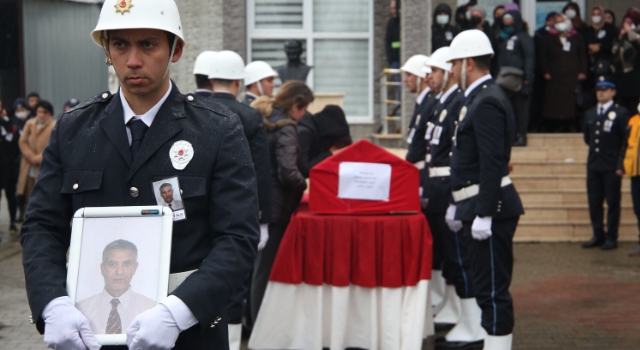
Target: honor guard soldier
259,81
605,132
108,150
226,73
486,201
438,190
201,69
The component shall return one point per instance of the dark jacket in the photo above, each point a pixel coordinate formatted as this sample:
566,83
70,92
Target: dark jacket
627,62
9,149
518,51
287,182
417,145
599,63
392,40
444,120
606,134
248,99
564,67
256,134
88,163
482,152
441,35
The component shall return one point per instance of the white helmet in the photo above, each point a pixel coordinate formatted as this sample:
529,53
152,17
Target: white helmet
227,65
415,64
439,59
203,63
138,14
258,70
470,43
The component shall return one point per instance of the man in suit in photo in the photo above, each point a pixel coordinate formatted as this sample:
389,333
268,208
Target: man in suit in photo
166,192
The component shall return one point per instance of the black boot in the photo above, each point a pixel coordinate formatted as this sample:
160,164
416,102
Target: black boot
594,242
609,244
521,141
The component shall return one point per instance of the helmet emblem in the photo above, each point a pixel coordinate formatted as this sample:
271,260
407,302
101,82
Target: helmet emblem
123,6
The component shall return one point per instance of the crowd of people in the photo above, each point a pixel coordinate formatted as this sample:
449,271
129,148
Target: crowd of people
25,128
551,75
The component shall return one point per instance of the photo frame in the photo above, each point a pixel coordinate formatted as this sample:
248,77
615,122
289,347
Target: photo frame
119,261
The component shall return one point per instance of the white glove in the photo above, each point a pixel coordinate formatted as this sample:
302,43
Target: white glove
481,228
65,327
264,236
158,328
450,218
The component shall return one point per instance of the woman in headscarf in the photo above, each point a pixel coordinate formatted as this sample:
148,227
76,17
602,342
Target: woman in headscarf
626,51
563,63
572,11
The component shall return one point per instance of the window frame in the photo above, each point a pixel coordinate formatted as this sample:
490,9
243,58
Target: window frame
309,36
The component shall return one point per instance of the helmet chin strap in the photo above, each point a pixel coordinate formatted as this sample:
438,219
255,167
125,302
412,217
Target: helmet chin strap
259,83
464,74
445,80
173,50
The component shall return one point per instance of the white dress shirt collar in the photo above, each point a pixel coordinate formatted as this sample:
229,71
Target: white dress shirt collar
148,117
251,94
204,90
125,298
605,107
422,95
475,84
448,93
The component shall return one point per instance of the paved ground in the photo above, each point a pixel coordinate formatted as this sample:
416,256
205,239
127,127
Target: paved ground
565,298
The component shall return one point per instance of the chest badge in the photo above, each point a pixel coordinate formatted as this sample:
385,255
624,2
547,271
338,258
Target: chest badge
181,154
417,119
463,113
611,115
443,115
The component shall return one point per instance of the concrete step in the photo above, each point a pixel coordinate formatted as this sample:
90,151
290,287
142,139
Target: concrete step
571,196
549,167
579,231
523,154
555,140
395,141
554,182
567,213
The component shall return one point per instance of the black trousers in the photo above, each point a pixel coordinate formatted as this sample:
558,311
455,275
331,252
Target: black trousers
520,103
263,265
237,301
8,181
437,234
603,185
492,264
635,197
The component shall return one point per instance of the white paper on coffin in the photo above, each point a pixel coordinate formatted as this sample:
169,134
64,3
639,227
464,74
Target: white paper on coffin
302,316
366,181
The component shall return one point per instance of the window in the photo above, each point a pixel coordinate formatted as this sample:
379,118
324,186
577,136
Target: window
337,37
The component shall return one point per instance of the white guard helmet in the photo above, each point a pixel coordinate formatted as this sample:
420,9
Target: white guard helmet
439,59
470,43
227,65
138,14
258,70
415,64
203,63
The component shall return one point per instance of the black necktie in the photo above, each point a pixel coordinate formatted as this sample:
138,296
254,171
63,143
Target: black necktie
138,130
601,111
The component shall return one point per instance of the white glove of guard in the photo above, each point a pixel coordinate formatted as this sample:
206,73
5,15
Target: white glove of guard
481,228
264,236
450,218
158,328
66,327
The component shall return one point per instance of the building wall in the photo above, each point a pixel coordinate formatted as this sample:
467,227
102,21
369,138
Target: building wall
234,23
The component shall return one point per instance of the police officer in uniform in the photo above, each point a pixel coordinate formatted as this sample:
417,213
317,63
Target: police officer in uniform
226,73
259,81
605,133
486,201
108,151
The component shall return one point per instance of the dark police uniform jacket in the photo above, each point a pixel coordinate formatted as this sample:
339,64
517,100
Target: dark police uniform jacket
417,148
606,135
444,120
248,99
256,134
88,164
481,154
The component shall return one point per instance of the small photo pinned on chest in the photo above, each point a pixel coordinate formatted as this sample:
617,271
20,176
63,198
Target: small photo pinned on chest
168,194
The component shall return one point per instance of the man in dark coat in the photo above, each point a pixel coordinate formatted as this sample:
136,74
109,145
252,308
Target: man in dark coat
442,32
605,133
392,36
516,50
226,72
108,151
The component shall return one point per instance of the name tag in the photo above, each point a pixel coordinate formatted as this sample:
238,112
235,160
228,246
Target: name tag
436,135
602,33
427,135
567,46
607,125
411,133
448,36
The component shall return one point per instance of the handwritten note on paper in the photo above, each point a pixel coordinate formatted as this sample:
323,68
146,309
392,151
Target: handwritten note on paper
368,181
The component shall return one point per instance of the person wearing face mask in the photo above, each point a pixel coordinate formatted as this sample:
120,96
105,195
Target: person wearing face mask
9,155
631,166
477,21
563,62
599,38
539,82
442,32
572,11
463,15
626,55
21,114
516,59
496,27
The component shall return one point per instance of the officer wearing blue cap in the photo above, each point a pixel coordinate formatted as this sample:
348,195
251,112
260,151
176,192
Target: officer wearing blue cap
605,132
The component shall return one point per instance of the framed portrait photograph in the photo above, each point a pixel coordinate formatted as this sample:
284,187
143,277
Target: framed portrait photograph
118,265
167,193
